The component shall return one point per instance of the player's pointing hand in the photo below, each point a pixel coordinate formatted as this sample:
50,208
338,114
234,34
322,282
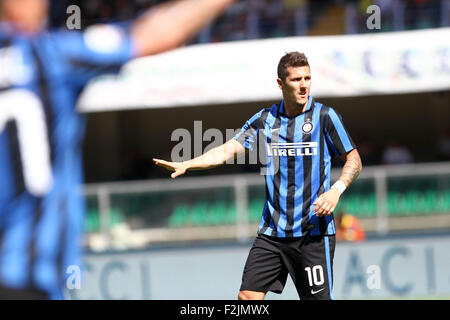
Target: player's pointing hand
179,167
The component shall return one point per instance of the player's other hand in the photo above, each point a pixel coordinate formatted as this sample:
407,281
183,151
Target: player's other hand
179,167
327,202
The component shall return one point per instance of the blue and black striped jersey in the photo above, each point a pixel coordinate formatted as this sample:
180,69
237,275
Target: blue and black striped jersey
298,153
41,208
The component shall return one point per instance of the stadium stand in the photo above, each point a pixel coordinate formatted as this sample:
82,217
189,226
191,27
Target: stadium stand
251,19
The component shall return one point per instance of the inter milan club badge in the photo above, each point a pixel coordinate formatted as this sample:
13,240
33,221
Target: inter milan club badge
307,127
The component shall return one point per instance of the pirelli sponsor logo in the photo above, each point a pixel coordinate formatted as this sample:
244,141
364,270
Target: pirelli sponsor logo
292,149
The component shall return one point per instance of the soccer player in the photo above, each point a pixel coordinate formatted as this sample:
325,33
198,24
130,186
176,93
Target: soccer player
41,74
296,235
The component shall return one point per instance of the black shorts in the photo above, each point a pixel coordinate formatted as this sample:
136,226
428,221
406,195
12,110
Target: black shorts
308,260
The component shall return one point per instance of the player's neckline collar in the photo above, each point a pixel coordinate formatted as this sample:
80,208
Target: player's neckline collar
309,106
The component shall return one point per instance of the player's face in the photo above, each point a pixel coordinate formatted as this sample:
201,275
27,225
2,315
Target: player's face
28,15
297,84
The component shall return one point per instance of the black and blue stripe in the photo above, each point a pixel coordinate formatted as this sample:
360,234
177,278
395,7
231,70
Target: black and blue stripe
40,233
303,175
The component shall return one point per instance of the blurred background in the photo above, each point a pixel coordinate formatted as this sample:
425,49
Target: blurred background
150,237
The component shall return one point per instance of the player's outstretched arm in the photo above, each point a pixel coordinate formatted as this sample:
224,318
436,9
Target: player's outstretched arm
210,159
170,24
327,201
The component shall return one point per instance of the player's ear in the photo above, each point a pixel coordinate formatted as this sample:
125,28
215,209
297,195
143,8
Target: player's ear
280,83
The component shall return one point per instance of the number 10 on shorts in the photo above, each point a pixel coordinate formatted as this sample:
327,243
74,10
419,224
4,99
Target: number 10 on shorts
315,275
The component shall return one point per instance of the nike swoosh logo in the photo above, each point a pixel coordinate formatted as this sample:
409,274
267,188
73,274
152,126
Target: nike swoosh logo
314,292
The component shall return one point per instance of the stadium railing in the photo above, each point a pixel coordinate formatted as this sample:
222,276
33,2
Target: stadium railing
138,213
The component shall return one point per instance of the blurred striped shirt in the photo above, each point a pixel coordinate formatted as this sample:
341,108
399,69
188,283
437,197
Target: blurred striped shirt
41,206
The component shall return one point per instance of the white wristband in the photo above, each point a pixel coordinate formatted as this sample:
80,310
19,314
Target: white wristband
339,185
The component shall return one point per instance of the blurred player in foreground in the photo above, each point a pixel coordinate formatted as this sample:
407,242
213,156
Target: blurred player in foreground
296,235
41,74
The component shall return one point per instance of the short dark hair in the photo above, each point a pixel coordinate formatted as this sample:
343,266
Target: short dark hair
291,59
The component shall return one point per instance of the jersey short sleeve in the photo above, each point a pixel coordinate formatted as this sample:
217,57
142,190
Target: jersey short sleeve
99,49
248,134
336,135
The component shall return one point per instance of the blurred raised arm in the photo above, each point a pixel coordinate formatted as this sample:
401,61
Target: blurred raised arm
169,25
